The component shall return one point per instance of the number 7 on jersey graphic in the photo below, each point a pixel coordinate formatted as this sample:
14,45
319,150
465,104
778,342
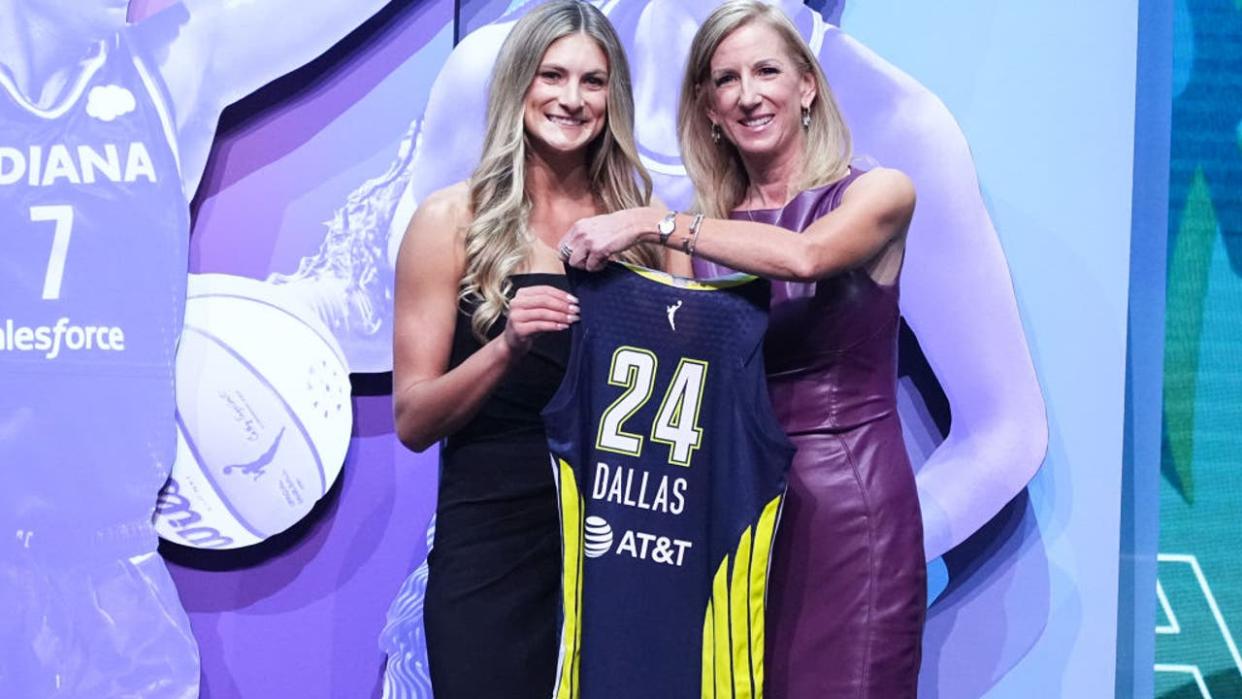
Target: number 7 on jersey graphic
62,216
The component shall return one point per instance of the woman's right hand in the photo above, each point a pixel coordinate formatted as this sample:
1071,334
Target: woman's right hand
537,309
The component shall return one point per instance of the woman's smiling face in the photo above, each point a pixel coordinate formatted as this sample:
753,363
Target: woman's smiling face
758,92
567,102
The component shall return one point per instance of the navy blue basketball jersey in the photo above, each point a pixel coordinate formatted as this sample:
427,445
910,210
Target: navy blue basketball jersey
671,470
94,234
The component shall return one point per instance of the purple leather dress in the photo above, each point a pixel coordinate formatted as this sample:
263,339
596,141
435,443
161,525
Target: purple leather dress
847,590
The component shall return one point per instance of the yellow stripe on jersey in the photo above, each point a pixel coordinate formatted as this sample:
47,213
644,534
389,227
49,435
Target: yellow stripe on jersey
709,655
739,611
720,644
571,583
578,599
733,635
725,282
765,531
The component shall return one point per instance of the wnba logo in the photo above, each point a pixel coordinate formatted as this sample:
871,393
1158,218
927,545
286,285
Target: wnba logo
597,539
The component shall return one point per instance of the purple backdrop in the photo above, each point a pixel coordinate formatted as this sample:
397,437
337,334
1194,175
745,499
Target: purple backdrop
301,614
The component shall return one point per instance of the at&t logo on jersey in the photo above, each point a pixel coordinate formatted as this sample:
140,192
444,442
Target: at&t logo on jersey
598,537
651,547
640,490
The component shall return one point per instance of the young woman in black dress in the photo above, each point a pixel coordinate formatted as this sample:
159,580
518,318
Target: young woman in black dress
481,303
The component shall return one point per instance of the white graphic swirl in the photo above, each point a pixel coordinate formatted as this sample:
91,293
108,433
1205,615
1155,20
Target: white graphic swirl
348,282
406,675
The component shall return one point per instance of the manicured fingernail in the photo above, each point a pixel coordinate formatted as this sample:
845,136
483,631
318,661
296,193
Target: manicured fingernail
572,298
575,308
573,317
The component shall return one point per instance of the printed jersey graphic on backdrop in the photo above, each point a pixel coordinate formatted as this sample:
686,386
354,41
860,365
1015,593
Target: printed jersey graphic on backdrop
1199,589
95,172
998,430
89,191
671,473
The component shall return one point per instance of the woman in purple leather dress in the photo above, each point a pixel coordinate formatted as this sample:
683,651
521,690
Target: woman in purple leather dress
769,155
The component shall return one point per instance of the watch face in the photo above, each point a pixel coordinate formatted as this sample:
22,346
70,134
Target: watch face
667,224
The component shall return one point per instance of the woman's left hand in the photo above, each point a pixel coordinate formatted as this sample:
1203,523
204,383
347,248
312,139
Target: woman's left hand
592,241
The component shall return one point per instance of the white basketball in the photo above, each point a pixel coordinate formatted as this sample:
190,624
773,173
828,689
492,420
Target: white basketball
597,537
263,415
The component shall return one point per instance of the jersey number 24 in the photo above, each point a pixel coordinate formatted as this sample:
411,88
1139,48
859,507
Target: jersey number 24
677,421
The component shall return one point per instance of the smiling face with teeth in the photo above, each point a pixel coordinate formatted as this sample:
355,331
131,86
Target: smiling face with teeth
757,94
567,101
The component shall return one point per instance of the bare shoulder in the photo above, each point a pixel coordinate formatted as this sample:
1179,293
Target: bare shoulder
436,233
444,214
888,190
448,205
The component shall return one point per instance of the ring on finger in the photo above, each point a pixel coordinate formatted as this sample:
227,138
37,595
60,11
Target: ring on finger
566,251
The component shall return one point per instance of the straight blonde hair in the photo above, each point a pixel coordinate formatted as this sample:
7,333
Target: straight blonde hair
498,239
716,169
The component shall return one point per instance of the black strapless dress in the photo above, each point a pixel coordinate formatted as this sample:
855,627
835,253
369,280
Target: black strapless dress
493,589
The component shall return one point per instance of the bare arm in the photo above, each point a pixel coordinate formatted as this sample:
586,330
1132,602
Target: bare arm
678,263
242,45
874,212
211,53
431,401
959,300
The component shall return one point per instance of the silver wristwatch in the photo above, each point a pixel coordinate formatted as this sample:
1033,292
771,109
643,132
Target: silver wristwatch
666,226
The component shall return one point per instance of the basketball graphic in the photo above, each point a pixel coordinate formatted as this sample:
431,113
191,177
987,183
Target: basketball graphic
263,415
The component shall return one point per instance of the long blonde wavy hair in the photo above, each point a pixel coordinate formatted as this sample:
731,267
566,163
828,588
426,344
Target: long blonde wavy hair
498,239
719,178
